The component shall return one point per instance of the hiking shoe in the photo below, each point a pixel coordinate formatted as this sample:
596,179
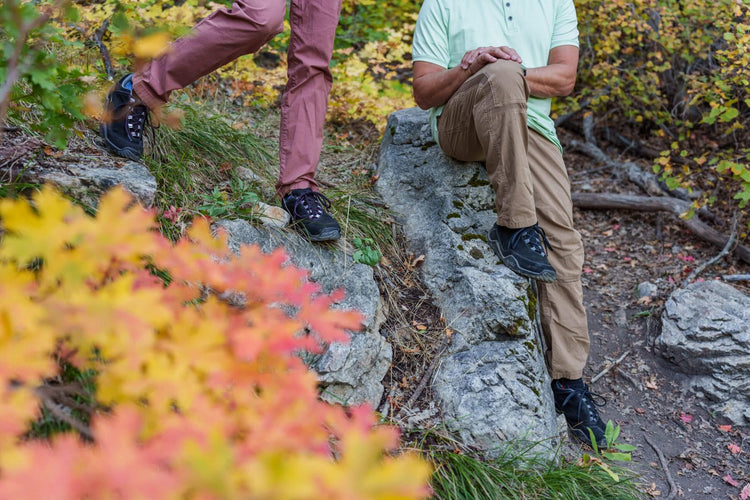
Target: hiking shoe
574,400
309,212
127,117
523,251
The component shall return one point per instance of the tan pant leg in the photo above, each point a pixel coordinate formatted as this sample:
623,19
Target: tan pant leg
485,120
561,303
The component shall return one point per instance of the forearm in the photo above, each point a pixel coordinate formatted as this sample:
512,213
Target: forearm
434,89
553,80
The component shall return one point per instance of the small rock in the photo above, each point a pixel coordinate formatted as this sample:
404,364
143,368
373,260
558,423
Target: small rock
647,289
271,216
248,175
621,318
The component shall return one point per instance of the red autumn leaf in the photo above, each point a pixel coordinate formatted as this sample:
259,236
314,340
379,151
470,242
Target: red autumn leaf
687,418
734,448
745,493
725,428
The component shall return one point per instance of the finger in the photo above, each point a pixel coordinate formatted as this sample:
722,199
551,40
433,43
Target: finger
512,53
469,58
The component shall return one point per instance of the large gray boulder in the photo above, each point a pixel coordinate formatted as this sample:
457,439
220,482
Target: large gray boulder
706,334
86,178
349,373
492,384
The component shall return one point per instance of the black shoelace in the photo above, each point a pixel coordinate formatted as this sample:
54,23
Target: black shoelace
136,120
534,238
588,399
313,204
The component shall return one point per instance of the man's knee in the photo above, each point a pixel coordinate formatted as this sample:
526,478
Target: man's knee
506,80
266,20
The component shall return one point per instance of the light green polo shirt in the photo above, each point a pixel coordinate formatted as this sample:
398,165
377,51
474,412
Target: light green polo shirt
447,29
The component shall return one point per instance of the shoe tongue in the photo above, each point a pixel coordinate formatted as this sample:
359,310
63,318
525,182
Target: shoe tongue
127,82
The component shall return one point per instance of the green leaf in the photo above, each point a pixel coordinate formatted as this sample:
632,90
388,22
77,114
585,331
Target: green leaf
620,457
729,115
625,447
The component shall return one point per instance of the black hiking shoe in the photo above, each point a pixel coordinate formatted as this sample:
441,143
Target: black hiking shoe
523,251
574,400
309,213
127,117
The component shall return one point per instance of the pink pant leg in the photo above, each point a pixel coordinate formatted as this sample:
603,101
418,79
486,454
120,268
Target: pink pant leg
217,40
305,99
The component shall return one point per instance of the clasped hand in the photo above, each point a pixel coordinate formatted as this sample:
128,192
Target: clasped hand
476,59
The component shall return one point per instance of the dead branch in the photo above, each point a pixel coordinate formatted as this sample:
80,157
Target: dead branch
59,413
607,369
99,41
665,466
724,251
609,201
736,277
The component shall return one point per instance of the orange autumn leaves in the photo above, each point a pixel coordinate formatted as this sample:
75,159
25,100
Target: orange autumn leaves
205,399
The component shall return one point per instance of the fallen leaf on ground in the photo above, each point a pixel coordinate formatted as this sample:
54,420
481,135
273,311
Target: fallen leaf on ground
686,417
728,479
745,493
651,383
734,448
725,428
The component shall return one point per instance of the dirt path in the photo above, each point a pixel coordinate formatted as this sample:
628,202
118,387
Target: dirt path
647,397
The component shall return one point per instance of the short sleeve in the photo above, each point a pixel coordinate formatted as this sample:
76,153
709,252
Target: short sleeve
566,24
431,35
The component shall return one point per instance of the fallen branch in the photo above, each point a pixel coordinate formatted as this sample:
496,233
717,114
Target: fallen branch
59,413
724,251
608,201
607,369
736,277
665,466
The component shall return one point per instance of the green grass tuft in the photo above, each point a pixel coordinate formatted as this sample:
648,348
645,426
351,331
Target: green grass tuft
520,476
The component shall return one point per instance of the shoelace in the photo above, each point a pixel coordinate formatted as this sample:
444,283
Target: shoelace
587,398
534,238
136,120
313,203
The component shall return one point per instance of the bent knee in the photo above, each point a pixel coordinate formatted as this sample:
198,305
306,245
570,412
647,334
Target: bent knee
266,21
506,77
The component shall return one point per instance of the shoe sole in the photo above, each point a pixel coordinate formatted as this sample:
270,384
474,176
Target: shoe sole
511,263
329,235
128,153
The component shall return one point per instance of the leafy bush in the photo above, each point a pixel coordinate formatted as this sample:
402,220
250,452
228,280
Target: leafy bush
199,397
677,70
40,86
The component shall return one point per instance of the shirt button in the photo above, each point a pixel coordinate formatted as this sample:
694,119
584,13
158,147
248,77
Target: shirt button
507,4
510,18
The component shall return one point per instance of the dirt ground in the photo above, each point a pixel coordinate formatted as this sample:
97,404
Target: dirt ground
646,396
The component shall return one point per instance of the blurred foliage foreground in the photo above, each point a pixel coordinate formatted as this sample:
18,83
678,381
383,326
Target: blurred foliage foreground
195,397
